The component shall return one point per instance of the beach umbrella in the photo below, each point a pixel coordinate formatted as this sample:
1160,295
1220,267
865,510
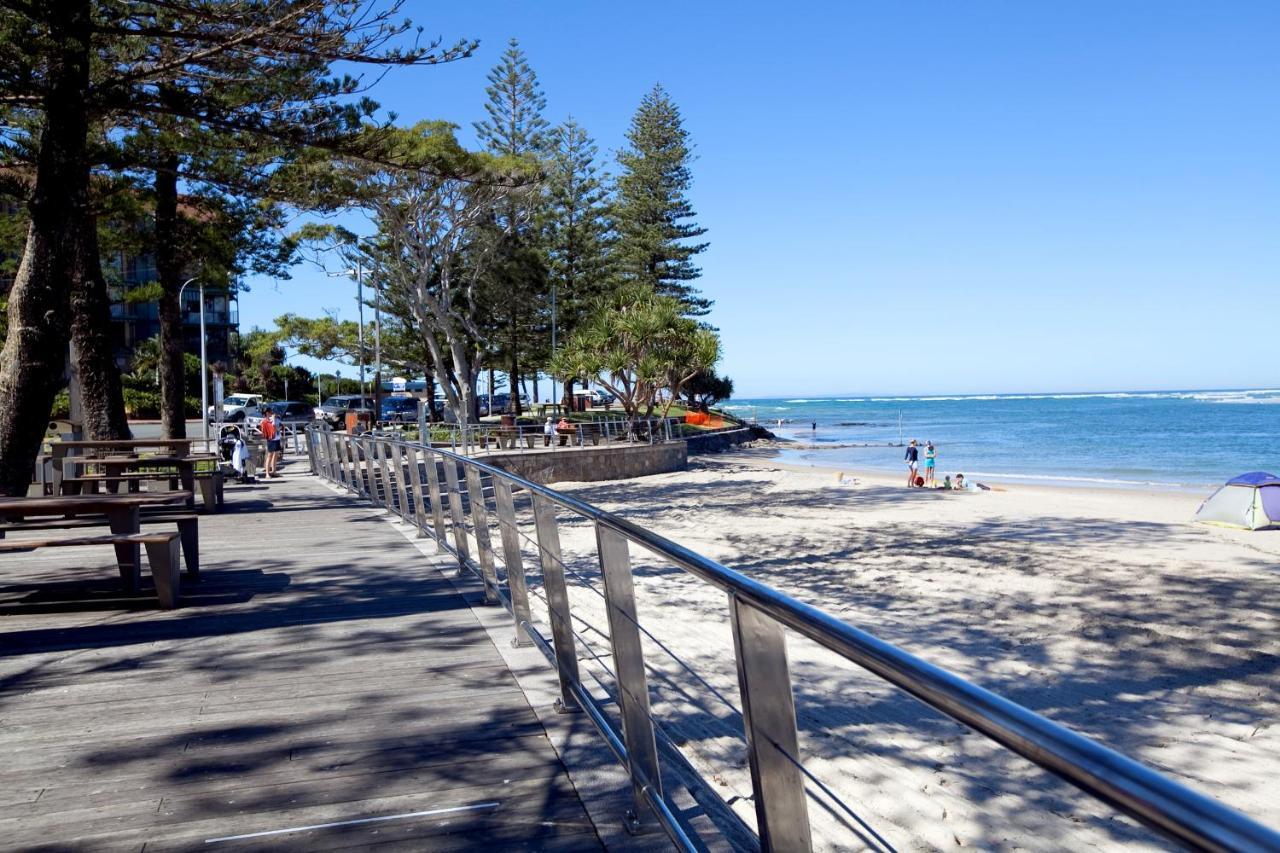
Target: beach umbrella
1250,502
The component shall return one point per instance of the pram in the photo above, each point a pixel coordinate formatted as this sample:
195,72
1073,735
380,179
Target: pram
234,450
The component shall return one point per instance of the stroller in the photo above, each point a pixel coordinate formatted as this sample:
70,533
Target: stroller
233,449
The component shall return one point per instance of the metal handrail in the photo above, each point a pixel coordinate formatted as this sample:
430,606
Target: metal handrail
758,614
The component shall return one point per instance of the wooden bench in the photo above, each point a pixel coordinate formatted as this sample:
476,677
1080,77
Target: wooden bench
162,555
188,525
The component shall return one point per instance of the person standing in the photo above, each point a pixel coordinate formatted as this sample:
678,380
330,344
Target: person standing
930,460
913,462
270,429
548,430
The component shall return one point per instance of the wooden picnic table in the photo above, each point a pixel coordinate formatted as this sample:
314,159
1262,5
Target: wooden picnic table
123,513
78,451
122,468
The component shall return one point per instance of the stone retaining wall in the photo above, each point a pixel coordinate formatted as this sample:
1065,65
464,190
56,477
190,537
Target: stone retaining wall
715,442
587,464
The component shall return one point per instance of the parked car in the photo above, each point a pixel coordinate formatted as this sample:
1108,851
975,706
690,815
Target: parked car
500,403
402,410
292,413
233,407
334,410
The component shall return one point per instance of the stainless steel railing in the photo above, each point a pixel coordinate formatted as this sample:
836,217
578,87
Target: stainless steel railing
469,438
405,478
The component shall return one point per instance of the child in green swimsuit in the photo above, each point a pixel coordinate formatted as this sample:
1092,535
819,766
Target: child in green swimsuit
930,463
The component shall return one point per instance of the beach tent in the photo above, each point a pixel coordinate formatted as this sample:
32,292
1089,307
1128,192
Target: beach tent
1250,501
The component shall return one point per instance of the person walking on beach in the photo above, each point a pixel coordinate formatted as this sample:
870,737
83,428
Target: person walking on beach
930,460
913,462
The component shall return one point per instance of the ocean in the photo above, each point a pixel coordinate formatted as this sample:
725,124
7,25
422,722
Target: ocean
1172,439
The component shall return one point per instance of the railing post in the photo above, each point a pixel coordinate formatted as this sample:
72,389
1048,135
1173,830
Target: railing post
433,493
373,464
512,558
361,445
337,469
769,717
553,581
349,463
455,511
415,483
402,488
384,468
484,544
628,663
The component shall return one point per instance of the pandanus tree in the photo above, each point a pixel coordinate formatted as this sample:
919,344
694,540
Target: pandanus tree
638,343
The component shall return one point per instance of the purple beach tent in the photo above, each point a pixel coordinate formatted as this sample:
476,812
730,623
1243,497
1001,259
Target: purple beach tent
1250,502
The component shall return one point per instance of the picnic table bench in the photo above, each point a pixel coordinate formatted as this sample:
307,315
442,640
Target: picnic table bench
123,517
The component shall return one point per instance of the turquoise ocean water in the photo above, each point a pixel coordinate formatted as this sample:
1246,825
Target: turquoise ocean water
1177,439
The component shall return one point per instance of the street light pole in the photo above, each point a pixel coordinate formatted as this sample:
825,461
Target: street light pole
204,361
554,395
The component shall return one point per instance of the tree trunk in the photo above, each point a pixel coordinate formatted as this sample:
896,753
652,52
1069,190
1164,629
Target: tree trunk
101,394
428,375
35,347
513,375
169,270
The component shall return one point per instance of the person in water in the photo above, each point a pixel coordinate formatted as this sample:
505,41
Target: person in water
930,460
913,462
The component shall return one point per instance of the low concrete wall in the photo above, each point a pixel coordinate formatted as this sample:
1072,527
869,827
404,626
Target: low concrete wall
587,464
715,442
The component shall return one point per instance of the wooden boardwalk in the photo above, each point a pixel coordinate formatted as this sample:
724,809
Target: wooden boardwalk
323,686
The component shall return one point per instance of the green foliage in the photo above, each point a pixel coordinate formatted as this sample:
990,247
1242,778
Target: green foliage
576,230
515,126
706,388
514,286
652,212
636,343
325,338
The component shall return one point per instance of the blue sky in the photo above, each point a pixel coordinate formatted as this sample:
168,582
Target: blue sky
931,197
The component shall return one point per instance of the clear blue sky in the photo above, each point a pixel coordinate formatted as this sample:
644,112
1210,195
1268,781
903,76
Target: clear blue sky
931,197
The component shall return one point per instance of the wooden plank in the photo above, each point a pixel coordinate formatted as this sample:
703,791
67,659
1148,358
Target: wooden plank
321,671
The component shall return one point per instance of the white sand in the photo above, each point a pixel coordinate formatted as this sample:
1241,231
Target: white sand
1103,610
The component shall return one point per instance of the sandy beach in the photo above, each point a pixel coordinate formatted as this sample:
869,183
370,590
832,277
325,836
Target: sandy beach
1105,610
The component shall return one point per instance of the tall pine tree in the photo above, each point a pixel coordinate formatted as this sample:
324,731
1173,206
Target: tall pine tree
576,229
516,281
653,215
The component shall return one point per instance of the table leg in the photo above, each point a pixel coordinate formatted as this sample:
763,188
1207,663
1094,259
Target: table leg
126,519
186,474
113,470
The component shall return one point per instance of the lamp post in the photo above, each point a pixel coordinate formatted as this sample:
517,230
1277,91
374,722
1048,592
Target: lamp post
359,276
204,361
359,273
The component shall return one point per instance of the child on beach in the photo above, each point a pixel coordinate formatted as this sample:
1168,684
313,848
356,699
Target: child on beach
930,459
